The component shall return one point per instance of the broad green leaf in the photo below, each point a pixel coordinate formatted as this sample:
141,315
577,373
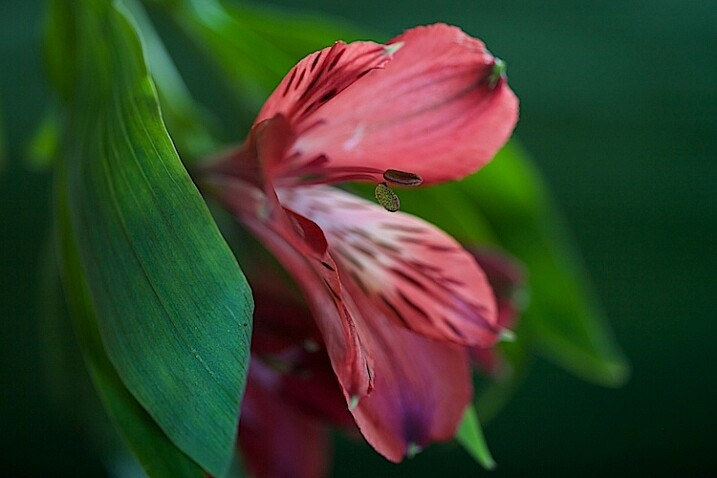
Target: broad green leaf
172,306
185,119
157,454
254,47
470,436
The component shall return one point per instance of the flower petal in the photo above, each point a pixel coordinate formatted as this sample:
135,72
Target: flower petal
422,386
277,440
437,110
314,271
415,274
319,77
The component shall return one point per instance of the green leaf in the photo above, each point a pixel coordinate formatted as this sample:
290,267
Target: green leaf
186,120
253,46
3,145
470,436
172,306
491,395
157,454
563,318
45,143
507,205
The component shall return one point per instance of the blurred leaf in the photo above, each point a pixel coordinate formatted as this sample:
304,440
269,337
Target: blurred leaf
172,306
45,143
470,436
493,394
562,319
60,38
155,451
254,47
3,145
506,204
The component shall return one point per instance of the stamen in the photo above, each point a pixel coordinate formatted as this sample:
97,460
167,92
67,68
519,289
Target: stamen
402,178
387,198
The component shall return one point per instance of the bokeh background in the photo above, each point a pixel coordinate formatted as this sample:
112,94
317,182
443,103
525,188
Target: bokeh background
619,111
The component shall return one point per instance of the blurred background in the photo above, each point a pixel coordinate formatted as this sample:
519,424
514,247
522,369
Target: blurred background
618,109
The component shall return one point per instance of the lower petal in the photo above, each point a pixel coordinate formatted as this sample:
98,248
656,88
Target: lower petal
278,441
422,387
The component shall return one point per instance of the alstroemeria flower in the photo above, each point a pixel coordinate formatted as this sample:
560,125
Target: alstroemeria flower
396,300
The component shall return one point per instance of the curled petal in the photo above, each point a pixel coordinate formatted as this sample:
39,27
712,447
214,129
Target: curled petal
440,109
414,273
316,274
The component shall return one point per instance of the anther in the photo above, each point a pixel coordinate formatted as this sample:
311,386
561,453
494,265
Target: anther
402,178
387,198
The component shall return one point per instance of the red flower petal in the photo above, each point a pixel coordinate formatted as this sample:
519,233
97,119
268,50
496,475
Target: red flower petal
320,77
314,272
277,440
437,109
422,386
414,273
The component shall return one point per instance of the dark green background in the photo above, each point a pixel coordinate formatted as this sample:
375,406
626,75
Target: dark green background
618,109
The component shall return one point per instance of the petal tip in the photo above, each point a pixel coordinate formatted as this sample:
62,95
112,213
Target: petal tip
413,449
507,335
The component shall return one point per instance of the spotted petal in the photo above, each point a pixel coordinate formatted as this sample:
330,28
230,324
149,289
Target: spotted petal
414,273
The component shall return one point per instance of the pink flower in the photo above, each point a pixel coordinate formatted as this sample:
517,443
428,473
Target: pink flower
396,300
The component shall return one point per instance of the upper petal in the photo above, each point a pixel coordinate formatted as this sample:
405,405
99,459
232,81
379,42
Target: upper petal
436,109
414,273
319,77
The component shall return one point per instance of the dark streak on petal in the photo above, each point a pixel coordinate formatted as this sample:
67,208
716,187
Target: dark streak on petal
408,278
414,306
395,311
355,277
